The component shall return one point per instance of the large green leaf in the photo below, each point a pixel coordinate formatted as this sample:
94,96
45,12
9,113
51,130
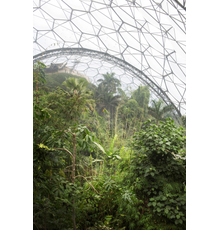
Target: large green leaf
100,147
112,143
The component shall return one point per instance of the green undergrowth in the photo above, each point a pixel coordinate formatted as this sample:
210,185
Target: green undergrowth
104,169
142,188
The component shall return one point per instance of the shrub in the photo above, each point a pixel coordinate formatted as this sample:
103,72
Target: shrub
158,173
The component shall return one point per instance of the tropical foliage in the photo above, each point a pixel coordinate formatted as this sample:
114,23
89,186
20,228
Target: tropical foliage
99,162
158,110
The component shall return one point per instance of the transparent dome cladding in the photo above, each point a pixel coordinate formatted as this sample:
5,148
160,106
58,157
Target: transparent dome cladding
147,36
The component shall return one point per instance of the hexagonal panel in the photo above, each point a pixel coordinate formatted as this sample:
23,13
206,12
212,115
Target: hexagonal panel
142,42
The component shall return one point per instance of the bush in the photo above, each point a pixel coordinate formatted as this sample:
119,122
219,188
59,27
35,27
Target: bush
158,173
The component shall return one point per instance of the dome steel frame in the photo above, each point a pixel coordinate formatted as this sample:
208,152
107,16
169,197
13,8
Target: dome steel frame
133,36
110,59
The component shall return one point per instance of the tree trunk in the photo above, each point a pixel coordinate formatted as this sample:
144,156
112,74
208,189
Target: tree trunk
73,172
74,156
109,122
37,85
126,129
73,179
116,117
74,218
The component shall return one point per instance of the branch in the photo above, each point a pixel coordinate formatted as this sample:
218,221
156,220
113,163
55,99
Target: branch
67,131
88,183
65,150
94,188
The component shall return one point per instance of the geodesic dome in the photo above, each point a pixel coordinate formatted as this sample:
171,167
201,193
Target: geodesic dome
141,41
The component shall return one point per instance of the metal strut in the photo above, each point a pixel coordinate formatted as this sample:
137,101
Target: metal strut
110,59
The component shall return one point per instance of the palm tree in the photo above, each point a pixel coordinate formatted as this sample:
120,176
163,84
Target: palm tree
159,110
106,99
78,87
110,82
124,114
142,95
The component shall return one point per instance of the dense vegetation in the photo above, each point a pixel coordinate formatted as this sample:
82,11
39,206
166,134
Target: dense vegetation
103,159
